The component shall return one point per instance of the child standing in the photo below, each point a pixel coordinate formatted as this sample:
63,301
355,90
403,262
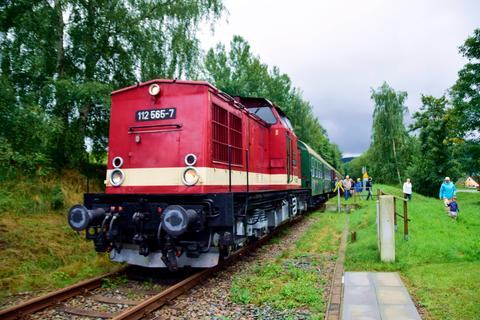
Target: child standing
453,205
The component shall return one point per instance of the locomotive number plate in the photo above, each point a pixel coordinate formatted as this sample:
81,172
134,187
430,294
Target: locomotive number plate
156,114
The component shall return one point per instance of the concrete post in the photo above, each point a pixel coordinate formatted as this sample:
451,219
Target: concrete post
377,222
386,229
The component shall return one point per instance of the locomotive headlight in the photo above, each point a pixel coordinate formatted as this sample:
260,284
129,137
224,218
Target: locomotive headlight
154,89
190,159
117,162
116,177
190,176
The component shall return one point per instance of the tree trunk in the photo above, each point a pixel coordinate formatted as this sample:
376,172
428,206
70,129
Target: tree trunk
60,49
396,162
91,60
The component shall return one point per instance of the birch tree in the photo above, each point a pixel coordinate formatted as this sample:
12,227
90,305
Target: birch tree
389,135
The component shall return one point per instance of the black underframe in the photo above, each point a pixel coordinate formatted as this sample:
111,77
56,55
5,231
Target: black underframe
220,214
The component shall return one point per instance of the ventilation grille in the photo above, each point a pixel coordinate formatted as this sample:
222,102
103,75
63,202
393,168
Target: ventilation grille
227,131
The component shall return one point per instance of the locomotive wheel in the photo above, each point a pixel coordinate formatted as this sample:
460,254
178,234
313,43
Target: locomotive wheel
225,252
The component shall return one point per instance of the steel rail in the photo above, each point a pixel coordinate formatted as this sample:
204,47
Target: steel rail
42,302
148,306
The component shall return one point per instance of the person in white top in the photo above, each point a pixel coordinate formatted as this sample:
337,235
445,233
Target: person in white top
407,190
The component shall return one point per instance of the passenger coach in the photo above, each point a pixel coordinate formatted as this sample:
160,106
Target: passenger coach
317,175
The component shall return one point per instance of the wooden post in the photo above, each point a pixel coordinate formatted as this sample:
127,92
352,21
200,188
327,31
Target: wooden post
405,220
395,213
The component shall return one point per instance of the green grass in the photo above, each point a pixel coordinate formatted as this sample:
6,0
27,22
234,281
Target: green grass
296,279
447,290
441,260
38,250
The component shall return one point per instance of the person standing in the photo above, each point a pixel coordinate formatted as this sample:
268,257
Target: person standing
358,186
352,187
407,190
347,185
368,187
447,191
453,205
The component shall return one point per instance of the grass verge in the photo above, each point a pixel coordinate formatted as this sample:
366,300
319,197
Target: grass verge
296,278
39,251
439,262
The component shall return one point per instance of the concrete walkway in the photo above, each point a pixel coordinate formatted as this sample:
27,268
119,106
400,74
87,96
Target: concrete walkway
376,295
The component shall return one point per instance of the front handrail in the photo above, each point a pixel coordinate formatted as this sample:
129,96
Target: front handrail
133,128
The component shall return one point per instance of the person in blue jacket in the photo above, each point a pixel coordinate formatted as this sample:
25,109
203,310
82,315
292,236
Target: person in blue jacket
358,186
447,191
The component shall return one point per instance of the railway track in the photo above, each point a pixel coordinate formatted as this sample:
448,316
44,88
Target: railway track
137,309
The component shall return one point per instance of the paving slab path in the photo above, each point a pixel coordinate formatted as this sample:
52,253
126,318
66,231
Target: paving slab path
376,295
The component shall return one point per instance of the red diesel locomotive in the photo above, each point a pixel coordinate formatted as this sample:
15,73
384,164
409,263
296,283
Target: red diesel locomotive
192,175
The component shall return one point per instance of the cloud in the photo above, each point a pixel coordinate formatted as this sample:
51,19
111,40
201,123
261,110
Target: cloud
336,51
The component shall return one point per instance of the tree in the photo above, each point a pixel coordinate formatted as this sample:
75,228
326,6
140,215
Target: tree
354,167
389,136
467,153
465,92
240,73
465,114
434,158
62,58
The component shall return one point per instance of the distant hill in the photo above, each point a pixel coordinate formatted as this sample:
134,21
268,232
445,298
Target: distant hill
347,159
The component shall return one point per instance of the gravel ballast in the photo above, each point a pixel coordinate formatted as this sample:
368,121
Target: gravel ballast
211,300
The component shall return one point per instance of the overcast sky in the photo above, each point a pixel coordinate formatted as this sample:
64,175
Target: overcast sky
336,51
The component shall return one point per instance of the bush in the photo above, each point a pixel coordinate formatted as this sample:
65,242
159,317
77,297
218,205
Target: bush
57,200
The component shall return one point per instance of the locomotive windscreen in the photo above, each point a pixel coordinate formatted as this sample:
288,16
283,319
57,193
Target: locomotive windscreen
265,113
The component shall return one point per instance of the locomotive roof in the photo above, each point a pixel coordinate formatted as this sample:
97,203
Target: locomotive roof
235,102
242,100
255,102
245,102
191,82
